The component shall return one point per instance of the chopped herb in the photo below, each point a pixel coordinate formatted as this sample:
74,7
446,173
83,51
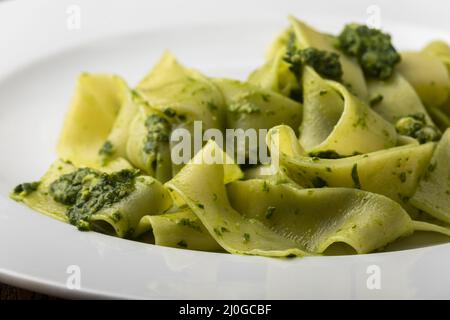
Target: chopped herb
170,112
223,229
269,212
318,182
323,92
246,237
158,131
27,188
185,222
265,97
432,167
107,149
265,187
217,232
325,63
212,106
117,216
376,100
201,206
402,177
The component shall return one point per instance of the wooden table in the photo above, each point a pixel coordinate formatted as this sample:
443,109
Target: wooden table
12,293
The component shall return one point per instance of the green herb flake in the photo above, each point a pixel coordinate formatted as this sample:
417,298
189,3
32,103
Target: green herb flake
269,212
212,106
25,189
265,97
325,63
223,230
185,222
158,131
376,100
117,216
107,149
87,191
265,187
318,182
170,112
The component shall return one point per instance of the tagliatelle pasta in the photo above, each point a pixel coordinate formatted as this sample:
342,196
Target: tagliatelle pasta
337,143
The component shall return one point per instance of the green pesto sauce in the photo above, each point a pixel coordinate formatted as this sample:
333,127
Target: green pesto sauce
169,112
107,149
372,48
402,177
185,222
158,130
212,106
265,187
243,106
25,189
87,191
415,126
325,63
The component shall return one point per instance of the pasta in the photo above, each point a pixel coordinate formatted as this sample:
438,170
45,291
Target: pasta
336,144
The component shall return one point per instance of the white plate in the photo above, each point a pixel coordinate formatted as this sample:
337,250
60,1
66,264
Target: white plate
40,60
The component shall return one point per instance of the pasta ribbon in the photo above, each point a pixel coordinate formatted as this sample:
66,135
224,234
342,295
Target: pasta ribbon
335,120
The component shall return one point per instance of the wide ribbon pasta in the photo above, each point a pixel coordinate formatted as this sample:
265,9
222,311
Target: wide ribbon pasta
118,217
317,224
336,121
433,192
393,172
92,114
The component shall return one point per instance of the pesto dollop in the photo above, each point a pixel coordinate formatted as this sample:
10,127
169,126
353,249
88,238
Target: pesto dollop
87,191
24,189
325,63
371,47
415,126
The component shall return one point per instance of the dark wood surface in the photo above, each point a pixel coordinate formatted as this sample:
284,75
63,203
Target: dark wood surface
12,293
